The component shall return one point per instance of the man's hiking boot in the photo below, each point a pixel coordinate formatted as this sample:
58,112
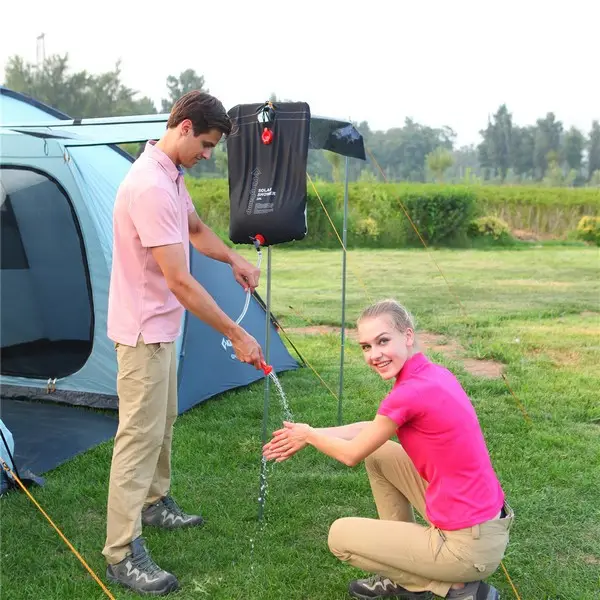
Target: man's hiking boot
166,514
476,590
138,572
381,587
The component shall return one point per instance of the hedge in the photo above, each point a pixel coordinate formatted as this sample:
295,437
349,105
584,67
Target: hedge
442,214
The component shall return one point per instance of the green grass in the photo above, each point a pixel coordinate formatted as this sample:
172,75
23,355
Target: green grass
536,310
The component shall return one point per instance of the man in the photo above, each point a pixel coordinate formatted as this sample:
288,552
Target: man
154,221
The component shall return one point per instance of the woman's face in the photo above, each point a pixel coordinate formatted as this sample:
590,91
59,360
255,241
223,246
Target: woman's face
385,348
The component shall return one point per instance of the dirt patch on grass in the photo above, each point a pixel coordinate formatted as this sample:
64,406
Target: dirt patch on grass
430,342
566,358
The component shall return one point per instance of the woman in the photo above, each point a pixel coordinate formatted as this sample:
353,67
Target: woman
441,467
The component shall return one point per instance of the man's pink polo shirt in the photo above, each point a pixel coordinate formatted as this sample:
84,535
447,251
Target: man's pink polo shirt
151,209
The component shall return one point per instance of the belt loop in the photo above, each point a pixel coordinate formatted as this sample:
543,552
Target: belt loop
475,532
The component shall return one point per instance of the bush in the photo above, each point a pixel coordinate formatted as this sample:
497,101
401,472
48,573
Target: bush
542,210
588,229
374,216
489,226
442,213
368,228
320,232
441,216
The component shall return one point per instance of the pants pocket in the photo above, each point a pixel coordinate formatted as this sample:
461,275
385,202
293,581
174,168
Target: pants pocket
155,350
481,551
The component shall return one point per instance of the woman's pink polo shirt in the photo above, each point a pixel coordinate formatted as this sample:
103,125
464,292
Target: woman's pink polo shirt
439,430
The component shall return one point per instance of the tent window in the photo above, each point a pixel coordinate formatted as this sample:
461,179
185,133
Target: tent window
11,248
47,324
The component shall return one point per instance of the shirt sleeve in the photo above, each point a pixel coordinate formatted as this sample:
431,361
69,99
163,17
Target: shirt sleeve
190,205
156,218
398,405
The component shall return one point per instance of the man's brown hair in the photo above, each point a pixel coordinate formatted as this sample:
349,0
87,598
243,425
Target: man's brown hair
203,110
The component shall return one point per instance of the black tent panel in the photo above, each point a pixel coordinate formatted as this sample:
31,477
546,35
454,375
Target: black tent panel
336,136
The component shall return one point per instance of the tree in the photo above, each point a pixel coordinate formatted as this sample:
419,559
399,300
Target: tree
439,161
80,94
221,160
594,150
187,81
335,160
496,148
523,139
547,139
573,146
401,151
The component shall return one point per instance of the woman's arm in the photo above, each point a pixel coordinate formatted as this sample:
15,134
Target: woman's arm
346,432
348,451
274,448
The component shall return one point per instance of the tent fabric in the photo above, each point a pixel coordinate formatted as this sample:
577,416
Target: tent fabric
42,306
46,435
48,292
57,207
336,135
7,445
267,182
206,352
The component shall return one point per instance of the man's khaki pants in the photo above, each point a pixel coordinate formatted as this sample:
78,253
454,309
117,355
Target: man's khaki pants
141,465
416,557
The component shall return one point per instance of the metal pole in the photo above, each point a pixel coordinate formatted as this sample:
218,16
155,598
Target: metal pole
344,240
263,474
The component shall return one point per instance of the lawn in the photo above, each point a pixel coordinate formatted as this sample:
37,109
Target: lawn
536,311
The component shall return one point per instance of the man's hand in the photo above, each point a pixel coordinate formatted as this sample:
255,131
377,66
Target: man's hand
247,349
246,274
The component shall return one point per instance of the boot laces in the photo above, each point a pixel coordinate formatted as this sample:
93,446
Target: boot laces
172,506
145,563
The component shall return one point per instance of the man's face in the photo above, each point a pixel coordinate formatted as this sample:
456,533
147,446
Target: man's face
193,148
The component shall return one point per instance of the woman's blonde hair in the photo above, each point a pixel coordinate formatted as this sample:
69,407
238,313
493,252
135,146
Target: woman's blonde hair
401,318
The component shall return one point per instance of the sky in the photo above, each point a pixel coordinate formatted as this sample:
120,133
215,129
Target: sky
437,62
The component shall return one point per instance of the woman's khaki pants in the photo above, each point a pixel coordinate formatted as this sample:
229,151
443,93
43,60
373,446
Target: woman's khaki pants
414,556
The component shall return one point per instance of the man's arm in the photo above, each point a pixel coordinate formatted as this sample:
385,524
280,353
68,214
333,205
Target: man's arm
207,242
193,297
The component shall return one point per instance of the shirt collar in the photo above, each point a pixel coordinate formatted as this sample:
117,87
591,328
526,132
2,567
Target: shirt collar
412,366
163,160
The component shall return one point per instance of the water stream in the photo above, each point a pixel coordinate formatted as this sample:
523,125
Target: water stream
264,466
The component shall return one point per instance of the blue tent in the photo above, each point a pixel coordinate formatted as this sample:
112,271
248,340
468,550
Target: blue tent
57,192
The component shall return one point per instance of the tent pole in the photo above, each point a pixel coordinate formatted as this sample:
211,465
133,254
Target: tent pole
344,240
263,475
